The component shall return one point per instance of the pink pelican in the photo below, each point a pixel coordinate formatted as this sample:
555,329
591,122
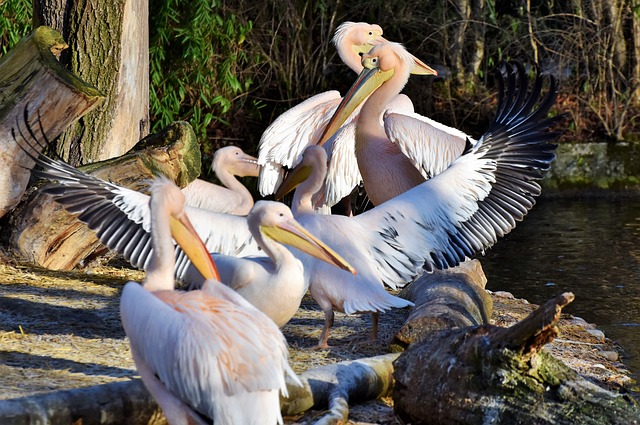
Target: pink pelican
205,355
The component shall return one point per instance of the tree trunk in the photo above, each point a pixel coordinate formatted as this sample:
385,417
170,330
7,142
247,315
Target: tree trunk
43,232
486,374
109,48
32,81
463,9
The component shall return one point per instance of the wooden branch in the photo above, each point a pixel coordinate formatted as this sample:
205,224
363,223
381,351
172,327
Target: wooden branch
445,299
339,384
45,234
32,79
483,374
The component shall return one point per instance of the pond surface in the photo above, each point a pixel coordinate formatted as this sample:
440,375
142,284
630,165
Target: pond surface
586,246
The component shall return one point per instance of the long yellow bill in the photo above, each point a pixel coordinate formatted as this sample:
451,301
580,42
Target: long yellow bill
293,179
293,234
419,67
367,82
186,236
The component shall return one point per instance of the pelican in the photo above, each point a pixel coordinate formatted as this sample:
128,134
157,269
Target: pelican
205,355
394,151
232,198
361,293
458,213
275,283
283,142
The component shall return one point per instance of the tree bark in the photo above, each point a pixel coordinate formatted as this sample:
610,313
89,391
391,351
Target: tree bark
445,299
486,374
32,81
45,234
109,404
109,48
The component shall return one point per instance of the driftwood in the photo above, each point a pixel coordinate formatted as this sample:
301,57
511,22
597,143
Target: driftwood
116,403
486,374
32,79
445,299
44,233
129,402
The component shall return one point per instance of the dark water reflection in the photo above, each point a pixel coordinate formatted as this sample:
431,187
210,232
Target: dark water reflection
589,247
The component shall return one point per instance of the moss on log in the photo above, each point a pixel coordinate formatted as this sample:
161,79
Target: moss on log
44,233
32,80
486,374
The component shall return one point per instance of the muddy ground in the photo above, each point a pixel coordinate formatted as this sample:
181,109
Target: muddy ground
62,330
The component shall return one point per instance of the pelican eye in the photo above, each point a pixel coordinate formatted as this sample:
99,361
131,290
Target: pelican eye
370,32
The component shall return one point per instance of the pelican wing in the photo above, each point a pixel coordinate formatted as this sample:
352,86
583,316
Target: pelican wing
343,174
210,348
283,142
480,197
120,216
430,145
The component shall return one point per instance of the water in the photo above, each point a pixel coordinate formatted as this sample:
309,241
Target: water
588,247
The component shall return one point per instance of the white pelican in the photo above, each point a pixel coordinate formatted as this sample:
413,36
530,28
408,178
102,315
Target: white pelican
361,293
233,197
283,142
274,284
458,213
394,151
205,355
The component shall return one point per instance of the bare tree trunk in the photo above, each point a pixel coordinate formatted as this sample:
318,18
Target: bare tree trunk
109,48
635,66
463,9
478,32
33,81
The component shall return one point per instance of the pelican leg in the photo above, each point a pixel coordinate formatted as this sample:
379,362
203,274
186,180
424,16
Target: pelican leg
328,324
374,325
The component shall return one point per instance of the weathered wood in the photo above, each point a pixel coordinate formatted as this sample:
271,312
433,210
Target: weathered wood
486,374
339,384
32,79
42,232
129,402
445,299
109,48
109,404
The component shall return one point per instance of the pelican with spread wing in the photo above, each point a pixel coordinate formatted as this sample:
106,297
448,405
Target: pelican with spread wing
283,142
459,212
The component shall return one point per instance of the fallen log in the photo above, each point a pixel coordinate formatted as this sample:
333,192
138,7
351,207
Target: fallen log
116,403
44,233
32,80
486,374
129,402
445,299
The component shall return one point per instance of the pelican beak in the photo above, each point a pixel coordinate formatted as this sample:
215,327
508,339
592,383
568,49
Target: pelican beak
252,169
419,67
186,236
293,179
366,83
293,234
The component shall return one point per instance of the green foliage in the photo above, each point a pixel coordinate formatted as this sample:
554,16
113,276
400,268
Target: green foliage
198,63
15,22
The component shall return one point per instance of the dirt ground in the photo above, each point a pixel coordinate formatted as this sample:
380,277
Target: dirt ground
62,330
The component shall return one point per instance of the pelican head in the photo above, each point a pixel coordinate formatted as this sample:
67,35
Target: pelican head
182,230
275,221
235,161
380,65
354,39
